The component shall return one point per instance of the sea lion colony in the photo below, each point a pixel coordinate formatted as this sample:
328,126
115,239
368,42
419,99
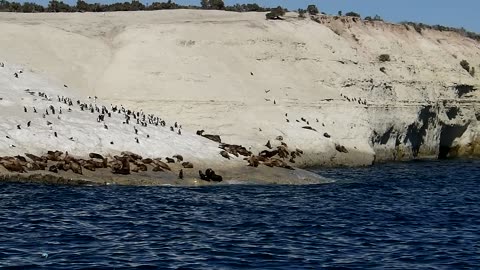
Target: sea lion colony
127,162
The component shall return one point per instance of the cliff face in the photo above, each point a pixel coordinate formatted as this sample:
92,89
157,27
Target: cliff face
316,83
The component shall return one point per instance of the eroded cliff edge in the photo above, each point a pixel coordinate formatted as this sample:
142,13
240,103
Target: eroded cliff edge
317,83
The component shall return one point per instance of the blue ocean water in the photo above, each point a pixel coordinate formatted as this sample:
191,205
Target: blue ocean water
418,215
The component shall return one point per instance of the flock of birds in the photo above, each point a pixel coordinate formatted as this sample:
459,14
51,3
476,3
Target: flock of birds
137,118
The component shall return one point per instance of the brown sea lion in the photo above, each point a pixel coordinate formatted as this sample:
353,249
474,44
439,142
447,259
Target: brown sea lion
178,157
268,154
76,167
147,161
253,161
131,155
224,154
203,176
53,169
282,151
95,155
121,166
157,169
341,148
35,158
187,165
275,162
12,165
213,176
162,165
141,167
215,138
89,167
235,149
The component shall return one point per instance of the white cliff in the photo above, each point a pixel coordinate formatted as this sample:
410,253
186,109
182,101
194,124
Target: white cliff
241,76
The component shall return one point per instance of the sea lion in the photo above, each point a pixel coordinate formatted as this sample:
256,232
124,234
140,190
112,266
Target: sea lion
178,157
54,155
187,165
12,165
131,155
282,151
147,160
121,166
53,169
141,167
253,161
157,169
170,160
200,132
268,154
215,138
95,155
224,154
35,166
35,158
341,148
203,176
275,162
213,176
21,159
326,135
235,149
89,167
180,174
162,164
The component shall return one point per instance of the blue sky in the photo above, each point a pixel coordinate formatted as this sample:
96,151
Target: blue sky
458,13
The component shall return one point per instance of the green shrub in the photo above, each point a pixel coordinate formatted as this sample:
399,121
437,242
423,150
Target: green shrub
465,65
368,18
301,13
312,10
384,58
352,14
275,13
212,4
339,13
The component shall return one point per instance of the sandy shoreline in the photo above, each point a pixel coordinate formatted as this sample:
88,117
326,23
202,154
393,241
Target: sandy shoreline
243,176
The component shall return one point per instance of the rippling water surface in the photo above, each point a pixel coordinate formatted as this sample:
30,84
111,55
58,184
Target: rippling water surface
422,215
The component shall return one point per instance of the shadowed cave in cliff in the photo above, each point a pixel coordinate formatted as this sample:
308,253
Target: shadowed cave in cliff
447,136
463,89
416,131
